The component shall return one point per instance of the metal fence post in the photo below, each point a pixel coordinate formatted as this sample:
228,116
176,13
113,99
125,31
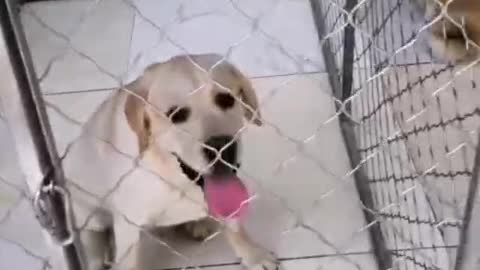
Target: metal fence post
468,255
342,85
26,114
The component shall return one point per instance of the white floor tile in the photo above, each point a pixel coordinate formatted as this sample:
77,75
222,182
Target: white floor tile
305,181
343,262
16,212
9,167
218,26
13,257
101,32
30,236
78,107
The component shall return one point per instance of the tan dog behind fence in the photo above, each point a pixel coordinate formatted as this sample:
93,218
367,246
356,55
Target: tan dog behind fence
134,166
455,36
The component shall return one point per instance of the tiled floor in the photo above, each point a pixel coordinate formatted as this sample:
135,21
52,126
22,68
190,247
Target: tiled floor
271,223
119,42
102,31
255,35
16,212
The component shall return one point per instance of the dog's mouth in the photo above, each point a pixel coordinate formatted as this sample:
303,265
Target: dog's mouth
225,194
196,176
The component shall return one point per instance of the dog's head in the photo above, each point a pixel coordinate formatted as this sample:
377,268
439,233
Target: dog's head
193,114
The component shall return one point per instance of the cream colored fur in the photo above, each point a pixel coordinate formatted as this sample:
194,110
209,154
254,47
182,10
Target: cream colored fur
155,192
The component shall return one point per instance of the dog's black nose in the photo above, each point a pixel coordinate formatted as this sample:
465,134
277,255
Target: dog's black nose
227,147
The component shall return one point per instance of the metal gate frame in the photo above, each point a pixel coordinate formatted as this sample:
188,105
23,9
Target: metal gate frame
342,85
40,159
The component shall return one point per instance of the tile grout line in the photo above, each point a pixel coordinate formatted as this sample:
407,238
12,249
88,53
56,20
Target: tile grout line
54,93
287,259
281,259
132,27
134,17
78,91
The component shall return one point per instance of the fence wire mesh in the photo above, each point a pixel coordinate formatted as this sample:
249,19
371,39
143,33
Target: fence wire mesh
415,123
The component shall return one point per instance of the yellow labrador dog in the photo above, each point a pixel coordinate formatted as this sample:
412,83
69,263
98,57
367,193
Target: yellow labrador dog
456,36
144,155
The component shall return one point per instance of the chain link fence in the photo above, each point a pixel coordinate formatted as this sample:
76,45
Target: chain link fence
415,129
408,123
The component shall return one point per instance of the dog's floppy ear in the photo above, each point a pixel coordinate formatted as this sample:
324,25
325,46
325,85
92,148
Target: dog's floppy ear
248,95
135,112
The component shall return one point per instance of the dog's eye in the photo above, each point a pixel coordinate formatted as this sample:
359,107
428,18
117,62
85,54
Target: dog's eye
178,115
224,101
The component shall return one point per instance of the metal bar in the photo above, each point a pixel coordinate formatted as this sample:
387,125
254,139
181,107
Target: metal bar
330,63
343,90
24,94
382,254
468,255
348,55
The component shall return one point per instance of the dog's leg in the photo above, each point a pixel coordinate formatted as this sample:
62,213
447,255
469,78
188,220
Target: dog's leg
199,230
253,256
126,239
94,246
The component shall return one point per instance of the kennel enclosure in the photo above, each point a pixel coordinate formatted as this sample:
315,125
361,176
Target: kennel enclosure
409,123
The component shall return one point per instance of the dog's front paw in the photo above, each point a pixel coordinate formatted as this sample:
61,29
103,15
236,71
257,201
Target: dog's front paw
199,230
258,258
